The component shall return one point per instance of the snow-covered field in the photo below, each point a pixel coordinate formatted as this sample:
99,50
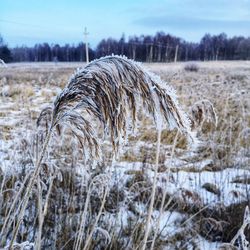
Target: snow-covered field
202,190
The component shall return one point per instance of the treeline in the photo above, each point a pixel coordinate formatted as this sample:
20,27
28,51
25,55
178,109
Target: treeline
46,53
159,48
5,53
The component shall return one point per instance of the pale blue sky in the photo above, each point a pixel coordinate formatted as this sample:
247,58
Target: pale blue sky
60,21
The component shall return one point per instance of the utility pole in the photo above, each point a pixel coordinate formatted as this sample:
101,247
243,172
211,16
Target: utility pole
86,44
176,53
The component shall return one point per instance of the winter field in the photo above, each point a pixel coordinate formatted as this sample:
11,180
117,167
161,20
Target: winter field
202,188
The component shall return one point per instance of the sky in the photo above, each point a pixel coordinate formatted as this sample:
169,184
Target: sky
27,22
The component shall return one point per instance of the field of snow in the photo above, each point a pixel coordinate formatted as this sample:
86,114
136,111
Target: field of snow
202,190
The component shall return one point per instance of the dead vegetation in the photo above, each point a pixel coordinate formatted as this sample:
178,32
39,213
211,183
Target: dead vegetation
208,186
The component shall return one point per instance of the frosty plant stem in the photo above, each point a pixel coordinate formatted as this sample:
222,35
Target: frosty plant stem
30,186
97,220
244,244
78,241
8,219
151,205
164,194
42,210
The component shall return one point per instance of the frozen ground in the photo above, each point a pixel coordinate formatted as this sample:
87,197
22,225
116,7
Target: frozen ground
212,176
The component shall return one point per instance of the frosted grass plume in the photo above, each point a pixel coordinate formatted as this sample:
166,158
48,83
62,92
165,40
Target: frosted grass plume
112,89
202,111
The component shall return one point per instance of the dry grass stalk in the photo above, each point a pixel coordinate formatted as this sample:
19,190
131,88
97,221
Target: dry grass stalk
100,182
202,111
42,209
3,63
164,195
109,89
240,237
94,227
151,205
33,178
9,219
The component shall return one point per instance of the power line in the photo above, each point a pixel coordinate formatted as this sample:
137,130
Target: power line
23,24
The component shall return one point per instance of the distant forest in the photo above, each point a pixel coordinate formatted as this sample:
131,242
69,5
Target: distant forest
159,48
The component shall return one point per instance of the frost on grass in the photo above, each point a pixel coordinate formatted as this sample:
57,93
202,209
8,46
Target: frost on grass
131,179
240,238
202,111
3,63
112,90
